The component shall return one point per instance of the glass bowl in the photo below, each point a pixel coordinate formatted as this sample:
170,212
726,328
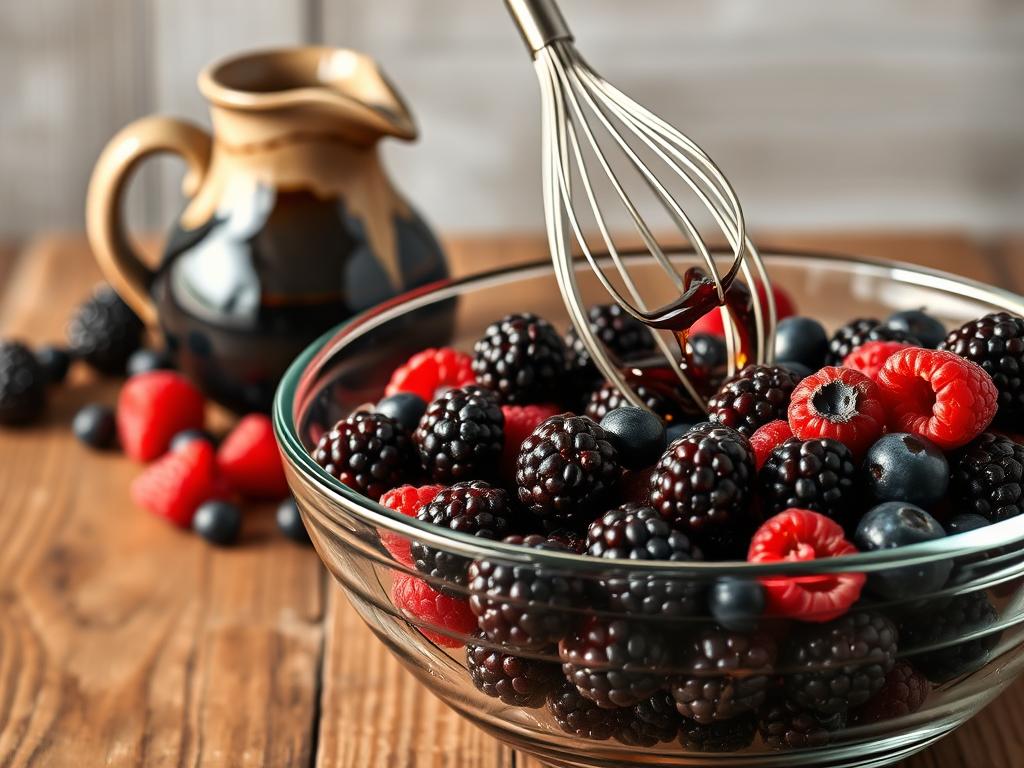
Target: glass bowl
735,683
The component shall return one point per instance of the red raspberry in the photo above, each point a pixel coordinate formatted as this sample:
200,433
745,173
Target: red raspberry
767,438
798,535
428,371
520,421
249,460
869,358
938,395
712,321
407,500
423,604
841,404
152,408
175,486
903,693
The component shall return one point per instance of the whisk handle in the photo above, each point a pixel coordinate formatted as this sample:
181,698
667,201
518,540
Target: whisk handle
540,22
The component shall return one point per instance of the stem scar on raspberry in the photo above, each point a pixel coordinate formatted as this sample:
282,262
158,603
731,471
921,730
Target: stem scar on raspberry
840,404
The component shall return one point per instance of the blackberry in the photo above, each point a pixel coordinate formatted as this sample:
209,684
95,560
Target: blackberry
104,332
461,435
661,399
581,717
22,384
650,722
838,666
988,478
637,532
368,452
941,631
566,468
515,681
859,332
701,486
622,335
753,397
614,663
783,727
521,604
996,343
904,693
722,736
816,474
521,358
475,508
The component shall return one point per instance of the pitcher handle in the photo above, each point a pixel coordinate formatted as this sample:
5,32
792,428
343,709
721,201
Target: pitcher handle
126,271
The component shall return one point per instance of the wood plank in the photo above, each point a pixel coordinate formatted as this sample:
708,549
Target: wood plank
122,641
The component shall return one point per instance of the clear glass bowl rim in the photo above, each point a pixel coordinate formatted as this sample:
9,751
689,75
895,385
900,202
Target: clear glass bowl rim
292,392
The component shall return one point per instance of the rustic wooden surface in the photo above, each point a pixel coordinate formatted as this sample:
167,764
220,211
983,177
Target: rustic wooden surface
126,643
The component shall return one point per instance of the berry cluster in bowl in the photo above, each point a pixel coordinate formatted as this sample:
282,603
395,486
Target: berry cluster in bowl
874,437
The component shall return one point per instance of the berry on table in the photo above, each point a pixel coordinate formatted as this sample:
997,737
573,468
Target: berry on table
908,468
969,615
988,478
737,604
175,485
152,408
442,619
856,333
755,396
839,404
407,408
801,340
461,435
104,332
431,370
521,358
996,343
95,425
219,522
816,474
937,394
513,680
869,358
896,524
289,522
919,324
146,360
368,452
903,693
799,535
722,736
406,500
520,421
622,334
637,434
784,726
249,460
55,362
767,438
22,384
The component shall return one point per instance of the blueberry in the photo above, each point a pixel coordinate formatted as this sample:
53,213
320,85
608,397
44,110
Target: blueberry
801,370
637,434
219,522
289,521
708,352
801,340
146,360
677,430
186,436
405,408
95,426
893,525
736,604
965,522
922,326
55,363
907,468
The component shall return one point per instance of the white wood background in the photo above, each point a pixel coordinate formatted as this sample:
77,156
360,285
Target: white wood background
878,112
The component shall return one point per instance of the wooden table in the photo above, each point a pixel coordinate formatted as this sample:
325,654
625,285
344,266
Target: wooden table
124,642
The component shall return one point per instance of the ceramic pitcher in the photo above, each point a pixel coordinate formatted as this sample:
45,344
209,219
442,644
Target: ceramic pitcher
291,224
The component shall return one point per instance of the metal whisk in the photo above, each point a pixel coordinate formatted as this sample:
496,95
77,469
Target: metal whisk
582,115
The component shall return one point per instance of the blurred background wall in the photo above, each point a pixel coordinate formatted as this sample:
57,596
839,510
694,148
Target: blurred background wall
882,113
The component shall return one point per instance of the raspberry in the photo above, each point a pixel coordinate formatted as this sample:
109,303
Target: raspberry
444,620
22,384
869,358
175,486
767,438
522,358
988,478
784,726
840,404
755,396
814,474
711,323
857,333
903,693
407,500
428,371
702,485
104,332
722,736
520,421
953,632
524,605
566,468
839,666
623,335
996,343
460,437
728,673
799,535
938,395
368,452
614,663
515,681
152,408
249,460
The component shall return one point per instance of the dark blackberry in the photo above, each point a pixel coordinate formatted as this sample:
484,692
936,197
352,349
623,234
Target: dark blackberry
522,358
858,332
637,532
753,397
661,397
22,384
650,722
368,452
941,631
702,486
522,604
988,478
622,334
783,727
815,474
834,667
515,681
104,332
722,736
614,663
475,508
996,343
581,717
55,363
565,469
461,435
904,693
